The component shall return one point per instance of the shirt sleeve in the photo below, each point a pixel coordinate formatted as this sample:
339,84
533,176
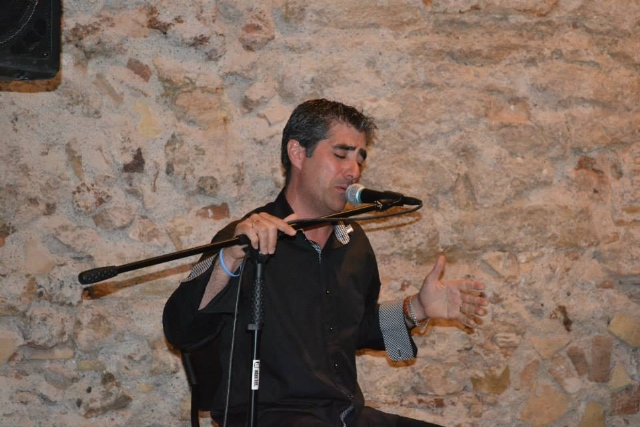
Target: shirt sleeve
185,326
396,335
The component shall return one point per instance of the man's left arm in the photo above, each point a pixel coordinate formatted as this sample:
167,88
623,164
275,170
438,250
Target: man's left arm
396,332
384,326
463,300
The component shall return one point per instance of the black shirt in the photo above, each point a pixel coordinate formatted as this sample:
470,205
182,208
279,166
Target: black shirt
320,308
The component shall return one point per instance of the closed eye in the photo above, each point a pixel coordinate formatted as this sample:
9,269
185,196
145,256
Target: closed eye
342,151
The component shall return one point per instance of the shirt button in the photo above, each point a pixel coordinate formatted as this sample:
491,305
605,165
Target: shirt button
327,291
330,328
335,365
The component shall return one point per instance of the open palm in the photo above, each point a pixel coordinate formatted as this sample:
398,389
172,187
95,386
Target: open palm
452,299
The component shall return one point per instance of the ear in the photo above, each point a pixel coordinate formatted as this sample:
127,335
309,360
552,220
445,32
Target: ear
296,153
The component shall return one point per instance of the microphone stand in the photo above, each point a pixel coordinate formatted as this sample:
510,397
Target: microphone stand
257,322
99,274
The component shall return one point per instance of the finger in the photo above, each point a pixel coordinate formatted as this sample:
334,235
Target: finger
262,229
473,304
237,252
469,320
267,228
474,298
248,228
438,268
466,285
472,322
473,308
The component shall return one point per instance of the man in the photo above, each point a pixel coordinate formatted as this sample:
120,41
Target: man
321,291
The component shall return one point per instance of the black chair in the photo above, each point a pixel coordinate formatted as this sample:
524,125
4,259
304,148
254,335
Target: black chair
204,375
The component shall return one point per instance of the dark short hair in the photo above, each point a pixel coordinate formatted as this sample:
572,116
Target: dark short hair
310,123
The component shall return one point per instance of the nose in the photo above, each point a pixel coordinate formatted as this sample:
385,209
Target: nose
353,170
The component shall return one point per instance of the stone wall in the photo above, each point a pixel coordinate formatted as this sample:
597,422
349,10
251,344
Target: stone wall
516,121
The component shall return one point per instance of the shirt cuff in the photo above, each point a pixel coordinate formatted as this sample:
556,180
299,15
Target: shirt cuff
200,268
397,339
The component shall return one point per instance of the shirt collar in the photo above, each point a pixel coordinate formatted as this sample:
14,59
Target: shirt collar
341,230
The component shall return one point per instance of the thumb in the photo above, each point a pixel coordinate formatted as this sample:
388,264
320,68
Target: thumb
289,220
291,217
437,270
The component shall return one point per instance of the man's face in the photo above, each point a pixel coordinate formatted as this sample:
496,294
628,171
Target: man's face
335,164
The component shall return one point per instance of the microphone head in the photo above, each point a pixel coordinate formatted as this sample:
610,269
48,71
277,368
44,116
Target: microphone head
353,194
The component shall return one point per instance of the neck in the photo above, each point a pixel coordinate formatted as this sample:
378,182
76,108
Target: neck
320,234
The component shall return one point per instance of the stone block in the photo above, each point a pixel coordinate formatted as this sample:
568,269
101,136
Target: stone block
562,371
544,406
626,402
549,346
619,379
62,352
600,368
18,292
593,415
114,217
9,342
259,93
208,185
492,383
627,328
80,239
87,198
579,359
215,212
504,264
440,379
275,114
90,365
258,31
45,327
146,231
38,259
140,69
529,375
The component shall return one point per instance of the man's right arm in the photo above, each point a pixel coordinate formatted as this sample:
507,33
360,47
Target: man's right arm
219,278
191,315
262,231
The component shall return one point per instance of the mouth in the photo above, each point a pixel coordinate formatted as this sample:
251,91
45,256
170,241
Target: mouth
343,187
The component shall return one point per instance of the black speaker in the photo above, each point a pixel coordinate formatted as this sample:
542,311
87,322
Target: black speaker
29,39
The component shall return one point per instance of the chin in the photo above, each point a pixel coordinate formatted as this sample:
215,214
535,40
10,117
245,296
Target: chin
340,206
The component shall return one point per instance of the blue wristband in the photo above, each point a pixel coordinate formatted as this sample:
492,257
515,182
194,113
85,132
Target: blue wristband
224,267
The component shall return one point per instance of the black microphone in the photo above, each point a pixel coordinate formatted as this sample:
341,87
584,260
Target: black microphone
356,194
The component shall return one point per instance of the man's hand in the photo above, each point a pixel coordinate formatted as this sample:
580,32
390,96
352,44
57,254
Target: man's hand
452,299
262,230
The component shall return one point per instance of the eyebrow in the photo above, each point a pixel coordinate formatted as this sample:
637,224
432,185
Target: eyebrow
362,152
